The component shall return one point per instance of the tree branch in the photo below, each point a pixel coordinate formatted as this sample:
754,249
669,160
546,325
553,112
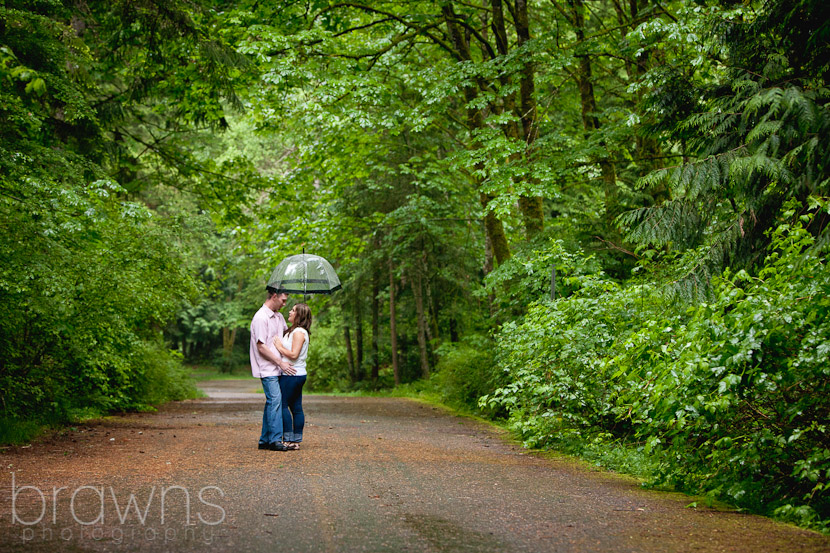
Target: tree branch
478,36
366,26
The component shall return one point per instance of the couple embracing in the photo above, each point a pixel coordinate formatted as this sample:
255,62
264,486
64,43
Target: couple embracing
278,357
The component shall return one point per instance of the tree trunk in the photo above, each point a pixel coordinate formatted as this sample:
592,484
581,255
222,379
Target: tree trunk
393,334
475,120
648,149
349,354
430,326
375,324
532,207
453,330
417,291
358,335
432,319
494,231
590,121
228,340
487,269
229,335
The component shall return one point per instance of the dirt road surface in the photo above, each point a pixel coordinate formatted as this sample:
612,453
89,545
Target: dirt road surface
373,474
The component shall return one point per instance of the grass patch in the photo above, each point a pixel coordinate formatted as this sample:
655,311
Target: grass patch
604,451
201,373
16,431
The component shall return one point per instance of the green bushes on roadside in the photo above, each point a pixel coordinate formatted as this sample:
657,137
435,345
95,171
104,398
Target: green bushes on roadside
82,308
466,371
730,396
736,400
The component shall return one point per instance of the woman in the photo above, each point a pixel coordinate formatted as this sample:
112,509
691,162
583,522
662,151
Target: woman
294,346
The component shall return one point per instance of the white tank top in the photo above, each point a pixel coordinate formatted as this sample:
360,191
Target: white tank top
299,363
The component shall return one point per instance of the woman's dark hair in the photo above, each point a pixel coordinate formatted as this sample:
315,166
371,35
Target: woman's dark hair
302,318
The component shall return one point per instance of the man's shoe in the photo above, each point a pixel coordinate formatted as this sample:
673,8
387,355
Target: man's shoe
273,447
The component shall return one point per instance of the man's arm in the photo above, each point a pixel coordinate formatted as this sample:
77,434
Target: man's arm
274,358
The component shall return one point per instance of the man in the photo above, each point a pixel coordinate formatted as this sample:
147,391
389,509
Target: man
266,364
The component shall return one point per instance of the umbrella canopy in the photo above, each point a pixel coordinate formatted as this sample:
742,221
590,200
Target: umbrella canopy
304,274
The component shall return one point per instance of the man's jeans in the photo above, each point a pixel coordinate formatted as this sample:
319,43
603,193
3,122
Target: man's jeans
272,415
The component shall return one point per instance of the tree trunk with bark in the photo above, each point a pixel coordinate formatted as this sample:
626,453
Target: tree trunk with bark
475,120
417,291
358,335
532,207
349,354
228,341
375,324
432,319
393,334
590,122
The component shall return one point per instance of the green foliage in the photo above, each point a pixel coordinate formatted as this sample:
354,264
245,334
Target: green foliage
526,277
80,323
753,140
158,377
736,399
556,358
466,371
729,395
407,153
327,367
91,274
18,431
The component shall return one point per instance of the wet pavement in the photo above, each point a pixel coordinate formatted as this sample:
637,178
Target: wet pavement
373,474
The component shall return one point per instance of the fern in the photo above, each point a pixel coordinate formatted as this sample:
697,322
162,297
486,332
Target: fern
764,129
758,144
673,222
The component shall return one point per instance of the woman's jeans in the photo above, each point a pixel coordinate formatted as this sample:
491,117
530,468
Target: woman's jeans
293,418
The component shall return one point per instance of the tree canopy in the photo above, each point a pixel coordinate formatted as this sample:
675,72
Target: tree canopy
603,221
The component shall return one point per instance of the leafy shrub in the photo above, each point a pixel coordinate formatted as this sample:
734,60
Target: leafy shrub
466,371
87,283
736,399
159,376
16,431
730,396
560,381
327,366
526,276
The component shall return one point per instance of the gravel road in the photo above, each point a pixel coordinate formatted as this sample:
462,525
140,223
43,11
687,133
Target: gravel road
374,474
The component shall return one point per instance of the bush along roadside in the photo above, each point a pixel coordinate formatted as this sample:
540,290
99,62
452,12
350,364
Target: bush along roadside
727,398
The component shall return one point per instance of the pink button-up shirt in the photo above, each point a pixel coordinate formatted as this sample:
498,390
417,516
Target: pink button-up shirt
265,326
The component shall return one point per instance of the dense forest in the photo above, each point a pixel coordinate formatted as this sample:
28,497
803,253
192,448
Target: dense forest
602,221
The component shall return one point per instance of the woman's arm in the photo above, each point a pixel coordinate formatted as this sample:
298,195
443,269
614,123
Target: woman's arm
296,346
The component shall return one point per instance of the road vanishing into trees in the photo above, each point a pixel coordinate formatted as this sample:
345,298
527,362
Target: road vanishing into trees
374,474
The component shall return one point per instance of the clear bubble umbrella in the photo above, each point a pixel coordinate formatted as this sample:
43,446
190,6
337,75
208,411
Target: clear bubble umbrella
305,274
